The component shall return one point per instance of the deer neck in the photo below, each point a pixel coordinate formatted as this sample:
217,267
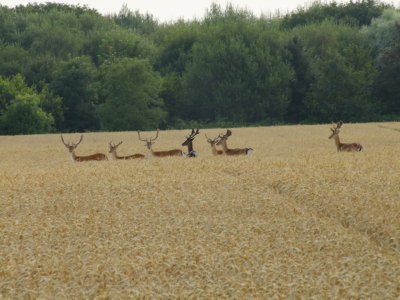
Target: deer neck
214,149
224,146
150,152
114,155
190,147
72,155
337,142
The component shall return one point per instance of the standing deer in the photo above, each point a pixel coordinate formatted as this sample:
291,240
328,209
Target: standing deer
71,148
151,141
213,143
189,143
113,151
227,151
342,146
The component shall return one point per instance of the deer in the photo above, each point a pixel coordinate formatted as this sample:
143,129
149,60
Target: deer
189,143
149,143
227,151
351,147
113,151
213,143
71,148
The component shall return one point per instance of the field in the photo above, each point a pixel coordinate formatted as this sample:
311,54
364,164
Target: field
296,219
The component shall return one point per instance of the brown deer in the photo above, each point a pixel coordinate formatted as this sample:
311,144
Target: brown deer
151,141
342,146
189,143
227,151
113,151
213,143
71,148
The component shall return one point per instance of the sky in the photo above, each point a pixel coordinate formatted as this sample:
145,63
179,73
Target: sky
172,10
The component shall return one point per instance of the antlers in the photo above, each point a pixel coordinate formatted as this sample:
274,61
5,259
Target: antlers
338,125
193,134
115,146
149,140
225,136
212,141
71,144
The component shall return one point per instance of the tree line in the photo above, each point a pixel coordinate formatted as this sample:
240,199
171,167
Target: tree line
68,68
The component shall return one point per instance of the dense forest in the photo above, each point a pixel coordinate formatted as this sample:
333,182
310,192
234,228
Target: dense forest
68,68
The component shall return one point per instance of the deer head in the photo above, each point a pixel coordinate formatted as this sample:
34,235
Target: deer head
113,147
190,137
223,138
212,142
336,130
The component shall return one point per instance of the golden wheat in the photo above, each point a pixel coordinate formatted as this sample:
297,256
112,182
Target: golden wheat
293,220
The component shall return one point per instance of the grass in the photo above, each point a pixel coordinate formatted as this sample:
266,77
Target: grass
294,220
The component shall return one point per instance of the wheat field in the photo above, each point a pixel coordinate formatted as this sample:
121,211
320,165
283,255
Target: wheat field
294,220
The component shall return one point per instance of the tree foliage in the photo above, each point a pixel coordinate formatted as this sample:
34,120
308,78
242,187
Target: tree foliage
131,90
72,69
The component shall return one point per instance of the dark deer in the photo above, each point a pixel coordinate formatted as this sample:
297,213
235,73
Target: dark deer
189,143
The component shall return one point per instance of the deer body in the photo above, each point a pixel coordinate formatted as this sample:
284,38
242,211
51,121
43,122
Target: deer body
71,149
342,147
96,156
347,147
174,152
113,151
236,151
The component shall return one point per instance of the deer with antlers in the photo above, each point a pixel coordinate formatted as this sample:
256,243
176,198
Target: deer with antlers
213,143
227,151
113,151
71,148
189,143
342,146
151,141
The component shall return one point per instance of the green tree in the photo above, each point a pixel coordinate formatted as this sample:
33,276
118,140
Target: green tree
356,13
75,82
131,92
15,86
120,42
10,88
24,116
342,72
239,70
175,43
384,35
140,23
13,59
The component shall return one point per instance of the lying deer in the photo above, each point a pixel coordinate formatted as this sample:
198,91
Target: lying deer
342,146
227,151
113,151
71,148
151,141
189,143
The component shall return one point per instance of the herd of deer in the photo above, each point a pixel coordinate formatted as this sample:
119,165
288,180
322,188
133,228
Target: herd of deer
220,140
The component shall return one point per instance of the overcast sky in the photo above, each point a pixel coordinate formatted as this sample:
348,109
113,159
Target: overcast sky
171,10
